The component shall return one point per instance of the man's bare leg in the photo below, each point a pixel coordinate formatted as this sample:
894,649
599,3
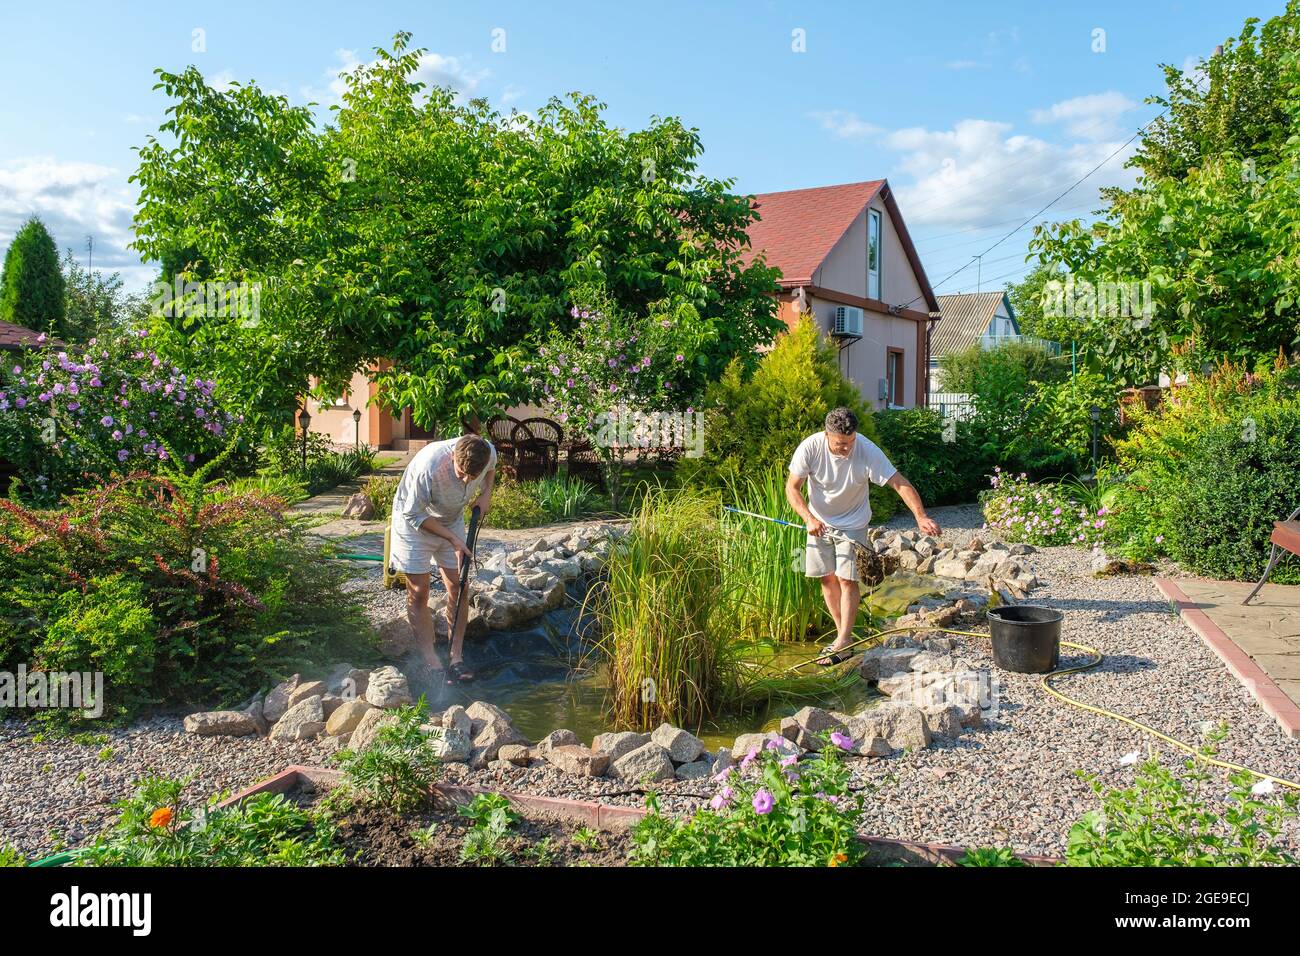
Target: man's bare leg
831,594
451,581
420,618
850,599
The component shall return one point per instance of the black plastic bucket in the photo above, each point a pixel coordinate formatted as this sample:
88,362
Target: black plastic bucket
1026,637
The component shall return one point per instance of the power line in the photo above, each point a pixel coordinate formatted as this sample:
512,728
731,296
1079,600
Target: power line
1067,191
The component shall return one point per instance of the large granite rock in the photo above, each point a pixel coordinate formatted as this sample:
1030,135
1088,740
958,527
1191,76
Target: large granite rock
809,725
305,720
682,746
277,700
649,763
347,716
368,728
619,742
388,688
578,760
221,723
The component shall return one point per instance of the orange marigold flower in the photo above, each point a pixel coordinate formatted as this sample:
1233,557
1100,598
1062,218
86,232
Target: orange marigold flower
161,817
839,858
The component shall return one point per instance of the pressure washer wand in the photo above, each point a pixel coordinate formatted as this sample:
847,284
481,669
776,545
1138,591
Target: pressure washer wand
471,541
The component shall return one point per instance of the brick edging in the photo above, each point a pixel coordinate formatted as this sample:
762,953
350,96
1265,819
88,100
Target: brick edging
603,816
1277,704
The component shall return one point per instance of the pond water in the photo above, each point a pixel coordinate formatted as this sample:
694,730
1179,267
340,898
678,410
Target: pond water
546,677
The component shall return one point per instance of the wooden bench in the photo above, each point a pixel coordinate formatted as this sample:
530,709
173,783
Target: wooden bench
1285,537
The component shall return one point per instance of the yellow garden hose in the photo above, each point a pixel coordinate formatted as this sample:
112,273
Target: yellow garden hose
1045,684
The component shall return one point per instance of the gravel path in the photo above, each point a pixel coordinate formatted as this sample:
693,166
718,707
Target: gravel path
1011,782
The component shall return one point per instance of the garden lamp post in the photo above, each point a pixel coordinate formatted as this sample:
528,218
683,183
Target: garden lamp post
305,421
1095,414
356,422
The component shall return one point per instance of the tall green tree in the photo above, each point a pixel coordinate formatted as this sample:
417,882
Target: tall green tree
31,286
94,302
443,236
1213,226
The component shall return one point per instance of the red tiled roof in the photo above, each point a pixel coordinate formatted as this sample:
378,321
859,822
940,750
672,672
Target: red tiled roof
12,336
799,227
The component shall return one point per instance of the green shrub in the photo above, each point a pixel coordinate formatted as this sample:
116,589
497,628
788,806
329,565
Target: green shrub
566,499
515,505
769,811
222,593
755,422
1207,473
945,470
974,368
108,628
1040,514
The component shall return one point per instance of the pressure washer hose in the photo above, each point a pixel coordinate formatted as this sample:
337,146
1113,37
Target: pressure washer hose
1097,658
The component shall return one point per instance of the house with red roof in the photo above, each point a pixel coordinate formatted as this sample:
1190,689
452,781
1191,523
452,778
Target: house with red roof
846,259
14,337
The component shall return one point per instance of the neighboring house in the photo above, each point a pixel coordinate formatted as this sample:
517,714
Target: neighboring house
968,318
846,257
376,427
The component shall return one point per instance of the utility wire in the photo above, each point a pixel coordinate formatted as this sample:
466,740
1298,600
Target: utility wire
1068,190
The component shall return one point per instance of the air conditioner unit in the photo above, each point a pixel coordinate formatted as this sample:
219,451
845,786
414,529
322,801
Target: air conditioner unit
847,322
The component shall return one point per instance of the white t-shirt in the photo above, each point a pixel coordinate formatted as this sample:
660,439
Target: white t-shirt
838,493
430,488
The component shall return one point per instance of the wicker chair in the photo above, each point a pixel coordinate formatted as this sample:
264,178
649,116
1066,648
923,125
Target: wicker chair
535,457
499,431
584,463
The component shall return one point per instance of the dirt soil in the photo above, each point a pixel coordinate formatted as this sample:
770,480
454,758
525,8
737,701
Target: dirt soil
378,837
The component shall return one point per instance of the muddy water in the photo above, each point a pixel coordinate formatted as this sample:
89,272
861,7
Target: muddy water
546,676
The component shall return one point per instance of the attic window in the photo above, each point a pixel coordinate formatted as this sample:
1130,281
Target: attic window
873,254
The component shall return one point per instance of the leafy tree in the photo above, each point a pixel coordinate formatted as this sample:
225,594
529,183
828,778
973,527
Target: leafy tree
969,369
445,237
31,287
95,303
1211,227
1026,298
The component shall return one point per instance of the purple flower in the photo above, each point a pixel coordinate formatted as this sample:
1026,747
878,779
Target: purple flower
681,357
842,741
122,454
748,759
107,421
763,802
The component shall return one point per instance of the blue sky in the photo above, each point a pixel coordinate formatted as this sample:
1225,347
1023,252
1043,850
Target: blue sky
978,113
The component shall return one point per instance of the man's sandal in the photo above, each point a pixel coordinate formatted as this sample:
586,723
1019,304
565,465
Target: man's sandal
834,658
458,673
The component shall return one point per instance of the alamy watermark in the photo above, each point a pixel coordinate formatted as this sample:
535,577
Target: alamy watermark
53,690
1072,298
632,429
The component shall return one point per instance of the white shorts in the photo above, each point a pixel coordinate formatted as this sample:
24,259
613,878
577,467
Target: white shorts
414,551
823,556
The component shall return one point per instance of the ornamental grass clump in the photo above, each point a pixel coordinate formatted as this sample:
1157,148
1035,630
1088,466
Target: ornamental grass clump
769,810
667,618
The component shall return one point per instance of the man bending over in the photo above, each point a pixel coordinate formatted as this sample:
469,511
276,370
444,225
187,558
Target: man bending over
837,465
441,481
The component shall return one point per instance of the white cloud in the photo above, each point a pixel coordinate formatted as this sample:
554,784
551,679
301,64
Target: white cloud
979,173
511,94
1091,117
221,82
73,199
434,69
843,124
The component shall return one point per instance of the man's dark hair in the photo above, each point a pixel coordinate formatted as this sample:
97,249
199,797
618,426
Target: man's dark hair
472,454
841,421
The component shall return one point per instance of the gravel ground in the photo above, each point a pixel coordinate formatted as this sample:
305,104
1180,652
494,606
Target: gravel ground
1011,782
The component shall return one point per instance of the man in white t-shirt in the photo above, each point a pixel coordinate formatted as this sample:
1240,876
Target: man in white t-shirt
440,482
838,465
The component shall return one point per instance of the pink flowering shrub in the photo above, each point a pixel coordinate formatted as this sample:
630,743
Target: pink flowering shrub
1040,514
770,810
73,418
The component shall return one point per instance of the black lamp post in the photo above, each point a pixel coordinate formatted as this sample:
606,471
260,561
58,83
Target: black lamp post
305,421
356,421
1095,414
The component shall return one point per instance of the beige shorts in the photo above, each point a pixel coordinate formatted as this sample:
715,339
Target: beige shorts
415,552
823,556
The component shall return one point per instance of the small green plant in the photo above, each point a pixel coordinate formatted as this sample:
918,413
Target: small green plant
424,835
491,819
398,769
990,856
1166,820
9,856
379,491
515,505
106,754
541,853
588,839
771,810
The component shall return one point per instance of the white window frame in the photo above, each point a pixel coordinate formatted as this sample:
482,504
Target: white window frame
873,275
